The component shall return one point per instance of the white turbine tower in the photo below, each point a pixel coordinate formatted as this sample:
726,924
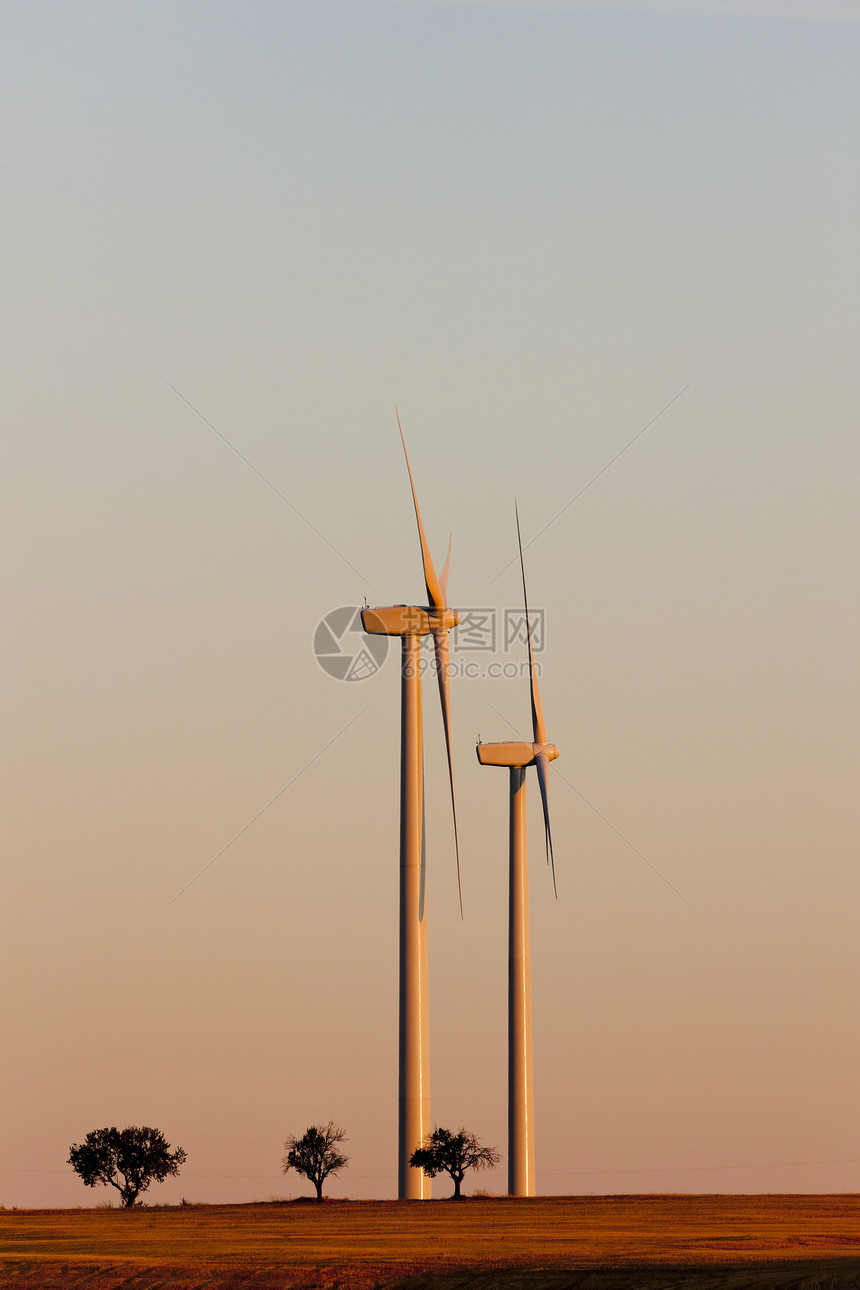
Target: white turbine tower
410,623
517,756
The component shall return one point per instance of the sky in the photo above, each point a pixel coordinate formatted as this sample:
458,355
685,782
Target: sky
603,258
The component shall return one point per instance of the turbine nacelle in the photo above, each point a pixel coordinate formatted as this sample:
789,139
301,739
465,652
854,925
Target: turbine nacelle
408,620
511,752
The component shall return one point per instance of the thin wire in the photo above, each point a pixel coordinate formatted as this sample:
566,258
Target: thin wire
593,480
610,825
266,481
599,814
567,1173
671,1169
266,807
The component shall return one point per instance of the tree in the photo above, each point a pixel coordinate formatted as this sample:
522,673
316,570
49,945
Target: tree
127,1159
452,1153
315,1155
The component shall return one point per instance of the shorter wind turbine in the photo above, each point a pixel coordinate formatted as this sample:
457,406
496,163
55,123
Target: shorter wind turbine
517,756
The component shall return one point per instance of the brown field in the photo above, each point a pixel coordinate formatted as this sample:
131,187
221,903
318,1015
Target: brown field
550,1243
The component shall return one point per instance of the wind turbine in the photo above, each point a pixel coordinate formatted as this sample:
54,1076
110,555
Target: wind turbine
410,623
517,756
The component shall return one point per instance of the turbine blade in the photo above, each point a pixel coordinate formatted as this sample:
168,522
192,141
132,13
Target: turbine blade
542,768
434,591
538,727
440,645
443,577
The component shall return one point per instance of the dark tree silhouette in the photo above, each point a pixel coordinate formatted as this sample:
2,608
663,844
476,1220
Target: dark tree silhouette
315,1155
127,1159
452,1153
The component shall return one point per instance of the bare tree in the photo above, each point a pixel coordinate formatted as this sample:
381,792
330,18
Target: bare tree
127,1159
315,1154
453,1153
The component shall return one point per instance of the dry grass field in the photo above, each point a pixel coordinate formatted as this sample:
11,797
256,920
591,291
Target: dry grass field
597,1243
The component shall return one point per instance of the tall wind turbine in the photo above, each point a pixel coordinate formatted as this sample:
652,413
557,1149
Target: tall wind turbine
410,623
517,756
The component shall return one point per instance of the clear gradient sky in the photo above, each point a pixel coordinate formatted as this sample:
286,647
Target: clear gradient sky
530,226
